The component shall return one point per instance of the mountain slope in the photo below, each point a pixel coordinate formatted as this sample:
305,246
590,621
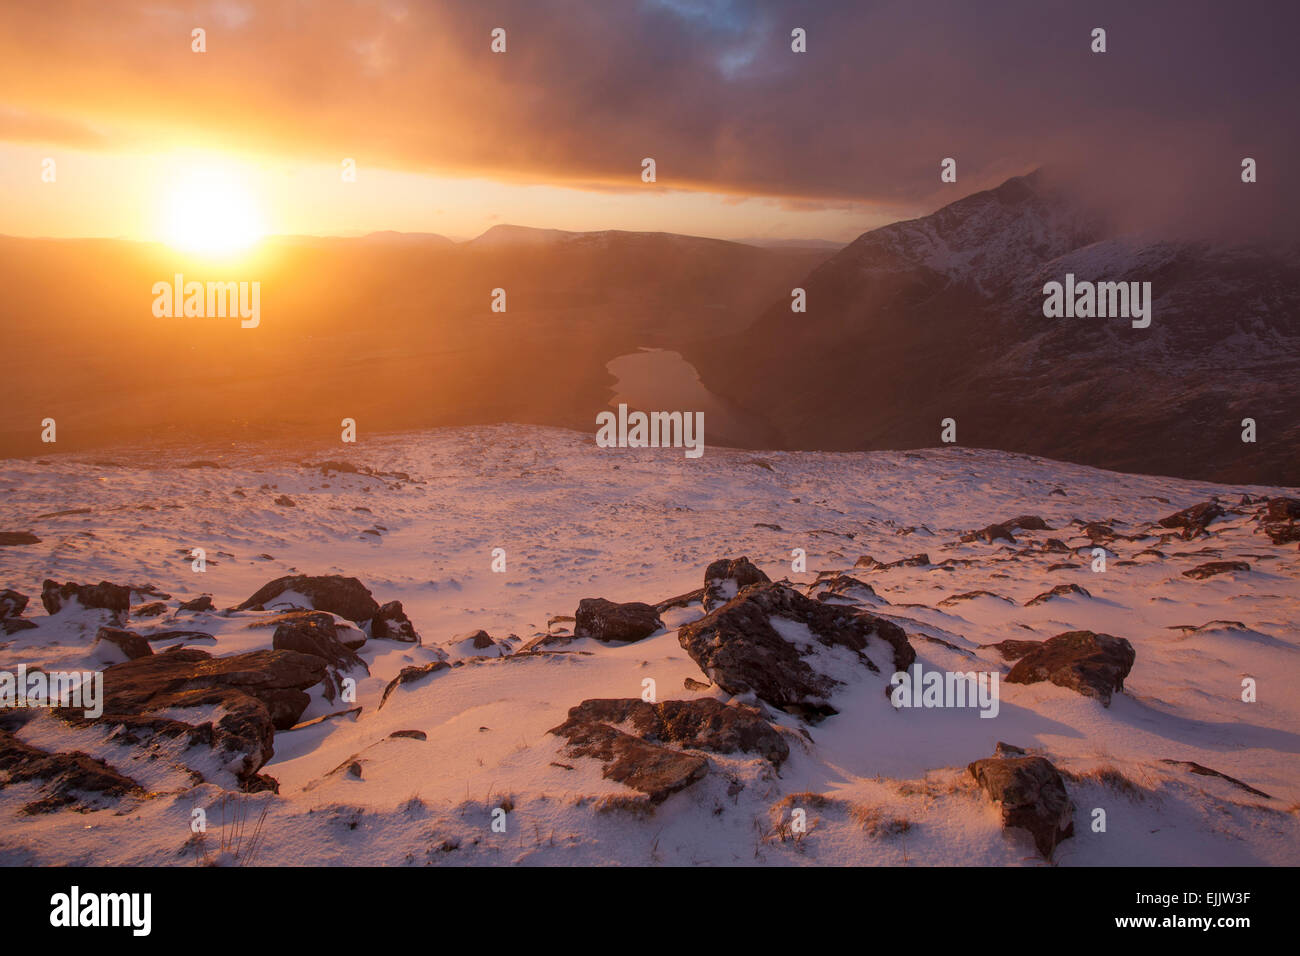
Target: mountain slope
942,317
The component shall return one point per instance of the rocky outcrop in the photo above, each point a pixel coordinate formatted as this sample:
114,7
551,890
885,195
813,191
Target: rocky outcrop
1193,521
408,675
392,624
17,538
741,650
1094,665
1061,590
346,597
129,643
726,577
316,635
115,598
1211,568
67,779
700,724
607,621
1031,795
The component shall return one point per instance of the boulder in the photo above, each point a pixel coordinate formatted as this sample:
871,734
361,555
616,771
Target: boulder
607,621
653,769
316,635
346,597
1192,521
392,624
700,724
115,598
741,651
201,603
1031,795
12,603
726,577
1094,665
128,642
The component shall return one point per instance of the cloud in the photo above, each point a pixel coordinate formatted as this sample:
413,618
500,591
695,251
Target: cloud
711,90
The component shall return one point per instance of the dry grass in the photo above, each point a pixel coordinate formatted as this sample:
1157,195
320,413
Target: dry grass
1110,776
874,822
636,805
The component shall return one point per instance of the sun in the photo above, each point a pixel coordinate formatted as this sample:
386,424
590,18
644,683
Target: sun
211,211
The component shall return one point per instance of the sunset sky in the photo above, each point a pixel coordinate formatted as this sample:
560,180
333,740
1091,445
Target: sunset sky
751,140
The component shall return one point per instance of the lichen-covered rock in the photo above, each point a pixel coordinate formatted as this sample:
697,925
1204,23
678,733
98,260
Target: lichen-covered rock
1094,665
1031,795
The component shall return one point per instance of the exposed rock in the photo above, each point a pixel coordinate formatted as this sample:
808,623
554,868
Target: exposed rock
740,650
1203,771
1095,665
190,677
12,603
1193,520
284,501
392,624
409,674
681,600
1280,520
655,770
1061,590
17,538
152,609
67,778
1211,568
1031,795
994,532
970,596
177,635
201,603
1098,531
346,597
115,598
316,635
700,724
128,642
607,621
411,734
726,577
1013,650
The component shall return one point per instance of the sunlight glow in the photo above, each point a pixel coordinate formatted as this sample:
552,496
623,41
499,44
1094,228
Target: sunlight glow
211,211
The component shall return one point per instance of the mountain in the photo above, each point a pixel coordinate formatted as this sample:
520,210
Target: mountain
394,331
942,317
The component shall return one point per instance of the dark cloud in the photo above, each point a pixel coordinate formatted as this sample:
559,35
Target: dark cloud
710,89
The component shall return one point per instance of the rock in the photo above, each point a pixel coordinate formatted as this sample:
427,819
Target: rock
392,624
1013,650
726,577
700,724
690,683
67,778
655,770
740,650
284,501
12,603
316,635
177,635
994,532
201,603
1098,532
409,674
607,621
1028,523
190,677
1061,590
115,598
1031,795
1211,568
1280,520
12,625
346,597
1094,665
480,639
128,642
1193,520
18,538
411,734
152,609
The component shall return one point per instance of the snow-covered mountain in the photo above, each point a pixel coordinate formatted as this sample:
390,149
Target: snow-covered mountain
508,709
942,317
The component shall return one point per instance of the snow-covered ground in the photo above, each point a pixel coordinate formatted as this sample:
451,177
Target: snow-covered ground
879,786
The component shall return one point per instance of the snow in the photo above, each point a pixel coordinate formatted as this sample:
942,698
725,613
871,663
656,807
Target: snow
641,525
